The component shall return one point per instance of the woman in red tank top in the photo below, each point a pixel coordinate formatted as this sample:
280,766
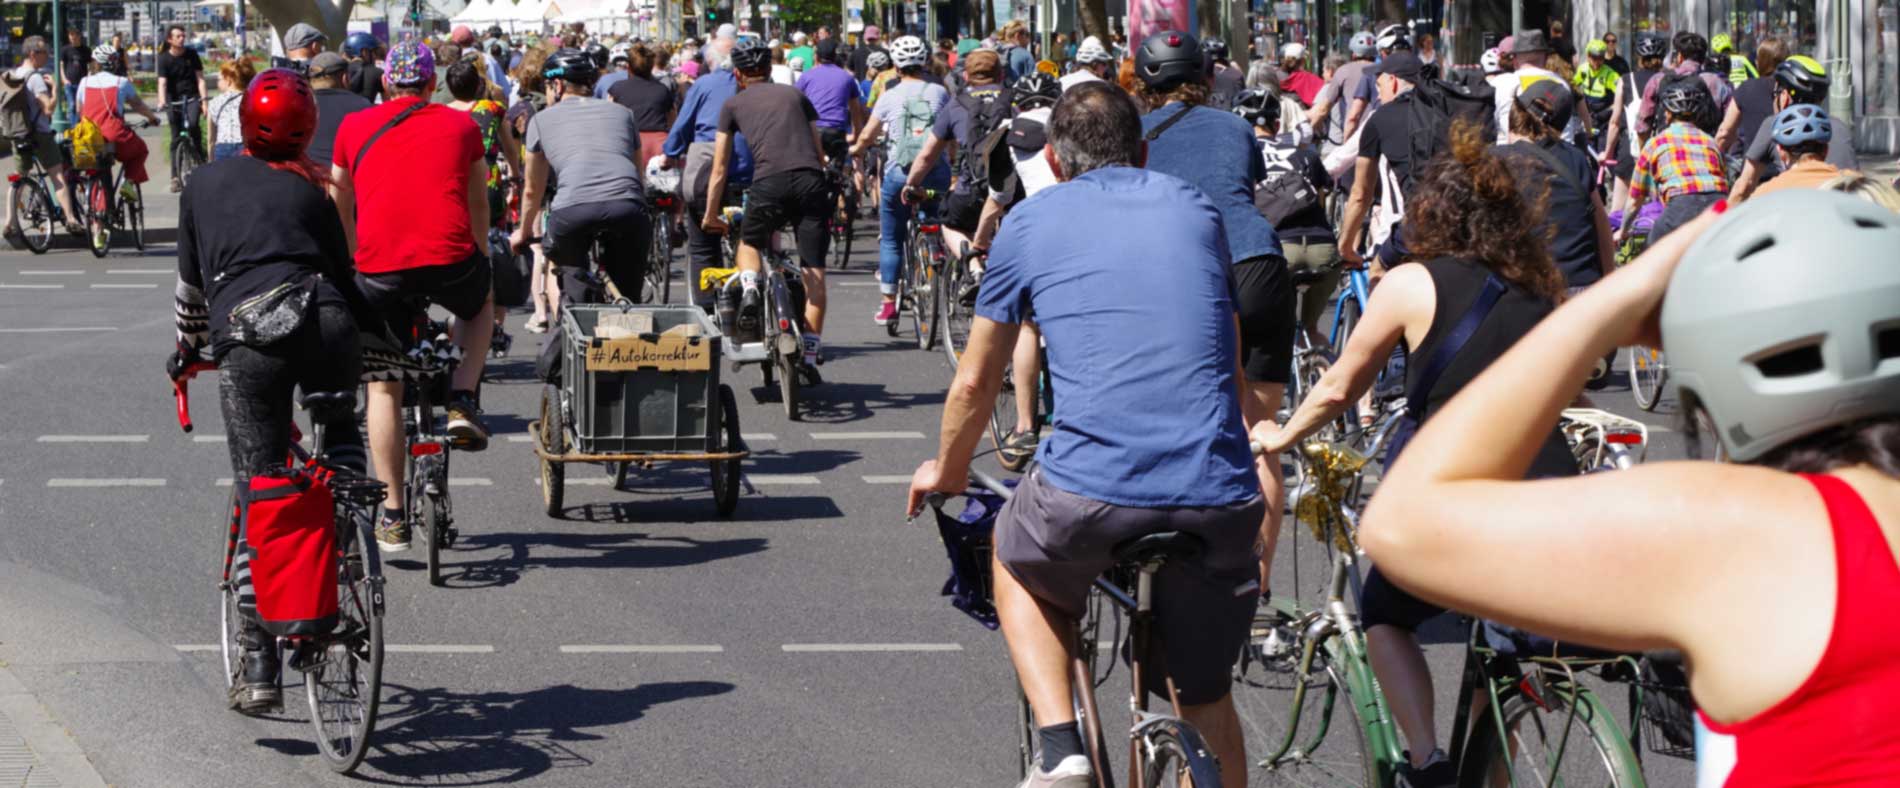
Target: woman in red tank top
1774,575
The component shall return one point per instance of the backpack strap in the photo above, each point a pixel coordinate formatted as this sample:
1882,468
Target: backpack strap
1155,133
1454,342
357,164
1563,172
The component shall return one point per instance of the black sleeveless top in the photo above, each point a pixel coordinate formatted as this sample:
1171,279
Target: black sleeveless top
1458,283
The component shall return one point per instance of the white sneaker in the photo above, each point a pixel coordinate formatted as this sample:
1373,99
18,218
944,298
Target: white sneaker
1072,772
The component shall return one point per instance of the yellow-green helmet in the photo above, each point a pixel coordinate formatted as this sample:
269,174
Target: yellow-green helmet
1722,44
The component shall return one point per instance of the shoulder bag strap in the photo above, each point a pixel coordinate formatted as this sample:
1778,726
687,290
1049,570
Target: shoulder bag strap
1155,133
357,164
1454,341
1562,172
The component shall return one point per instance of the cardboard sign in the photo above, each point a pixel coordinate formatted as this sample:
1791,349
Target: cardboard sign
669,352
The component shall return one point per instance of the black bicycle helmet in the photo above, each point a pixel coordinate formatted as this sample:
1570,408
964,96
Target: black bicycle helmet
571,65
1170,58
1258,107
750,55
1035,89
1652,46
1804,77
1685,98
597,53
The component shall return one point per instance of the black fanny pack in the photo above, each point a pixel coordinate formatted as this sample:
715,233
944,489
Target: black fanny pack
270,316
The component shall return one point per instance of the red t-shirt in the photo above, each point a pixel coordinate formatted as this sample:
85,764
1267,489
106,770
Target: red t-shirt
1304,85
412,192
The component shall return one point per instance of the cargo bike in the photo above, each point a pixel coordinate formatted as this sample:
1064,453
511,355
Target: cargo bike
639,387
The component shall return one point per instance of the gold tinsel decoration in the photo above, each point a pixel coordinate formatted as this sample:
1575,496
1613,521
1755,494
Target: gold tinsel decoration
1330,470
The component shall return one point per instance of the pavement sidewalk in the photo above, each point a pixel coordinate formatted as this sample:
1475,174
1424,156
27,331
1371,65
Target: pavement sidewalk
35,750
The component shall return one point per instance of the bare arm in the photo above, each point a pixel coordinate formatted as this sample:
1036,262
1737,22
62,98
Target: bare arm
1616,124
1606,243
716,179
867,136
1404,297
1745,185
511,148
164,94
966,408
1356,111
857,115
478,202
987,223
343,193
1353,226
1322,105
926,159
1731,127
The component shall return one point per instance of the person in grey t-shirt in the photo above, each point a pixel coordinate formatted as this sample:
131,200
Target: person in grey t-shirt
592,147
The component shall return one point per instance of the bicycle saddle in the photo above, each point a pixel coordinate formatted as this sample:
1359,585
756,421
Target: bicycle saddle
324,404
1159,546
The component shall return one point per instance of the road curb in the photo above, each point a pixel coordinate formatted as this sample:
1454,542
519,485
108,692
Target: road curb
35,750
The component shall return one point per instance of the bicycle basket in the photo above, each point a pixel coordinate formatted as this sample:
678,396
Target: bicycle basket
1668,714
967,541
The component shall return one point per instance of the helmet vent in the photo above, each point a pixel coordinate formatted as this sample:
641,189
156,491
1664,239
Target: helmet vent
1762,245
1792,363
1887,343
1865,223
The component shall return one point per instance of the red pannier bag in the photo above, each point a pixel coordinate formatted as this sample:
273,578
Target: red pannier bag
289,521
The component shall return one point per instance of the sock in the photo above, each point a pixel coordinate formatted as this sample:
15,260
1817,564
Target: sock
392,515
1058,742
749,280
811,348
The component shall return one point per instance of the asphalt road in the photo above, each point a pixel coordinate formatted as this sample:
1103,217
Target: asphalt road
638,639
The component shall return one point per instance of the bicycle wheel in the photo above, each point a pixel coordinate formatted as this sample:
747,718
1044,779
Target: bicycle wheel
1003,414
1647,375
99,206
725,473
957,317
1318,739
1176,755
33,209
230,614
1550,746
923,301
554,442
135,217
186,157
660,266
343,683
787,383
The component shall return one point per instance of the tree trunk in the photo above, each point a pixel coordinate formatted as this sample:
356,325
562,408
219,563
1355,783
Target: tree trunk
328,16
1093,16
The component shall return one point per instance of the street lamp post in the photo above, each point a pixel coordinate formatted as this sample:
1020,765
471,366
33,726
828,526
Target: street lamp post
63,113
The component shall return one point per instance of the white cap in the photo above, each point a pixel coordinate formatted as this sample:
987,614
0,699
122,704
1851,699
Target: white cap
798,37
1091,51
1293,50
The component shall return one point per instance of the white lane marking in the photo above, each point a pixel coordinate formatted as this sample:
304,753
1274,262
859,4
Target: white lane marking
224,481
32,287
591,481
61,272
441,648
759,436
94,438
856,284
778,478
56,329
105,482
642,649
868,647
207,439
471,481
140,271
524,438
886,479
189,647
867,436
124,286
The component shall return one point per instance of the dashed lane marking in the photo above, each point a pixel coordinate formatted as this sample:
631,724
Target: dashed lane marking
774,478
207,439
867,436
61,272
886,479
441,648
643,649
105,482
140,271
124,286
56,329
856,284
803,648
471,481
32,287
94,438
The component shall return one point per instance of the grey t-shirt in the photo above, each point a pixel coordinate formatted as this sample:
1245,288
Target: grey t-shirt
590,145
1840,151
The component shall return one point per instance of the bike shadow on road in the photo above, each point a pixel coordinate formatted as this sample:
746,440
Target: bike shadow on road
442,737
475,563
843,403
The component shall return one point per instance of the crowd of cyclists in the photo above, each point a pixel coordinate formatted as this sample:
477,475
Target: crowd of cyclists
1142,220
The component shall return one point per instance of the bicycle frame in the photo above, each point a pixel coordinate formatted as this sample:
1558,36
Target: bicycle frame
1358,287
1502,677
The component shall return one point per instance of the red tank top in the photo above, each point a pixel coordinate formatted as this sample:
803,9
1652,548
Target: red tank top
1839,728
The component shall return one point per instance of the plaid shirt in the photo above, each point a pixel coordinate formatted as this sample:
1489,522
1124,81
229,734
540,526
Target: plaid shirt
1681,160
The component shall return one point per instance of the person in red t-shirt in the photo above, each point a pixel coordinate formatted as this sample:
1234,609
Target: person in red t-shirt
1298,80
411,184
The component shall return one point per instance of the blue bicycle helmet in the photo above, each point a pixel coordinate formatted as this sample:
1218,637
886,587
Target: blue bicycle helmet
359,43
1803,123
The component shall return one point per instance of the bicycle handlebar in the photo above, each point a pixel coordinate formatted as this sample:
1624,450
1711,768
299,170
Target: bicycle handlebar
936,500
181,390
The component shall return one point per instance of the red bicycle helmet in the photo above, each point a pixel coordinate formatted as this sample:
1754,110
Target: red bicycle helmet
278,114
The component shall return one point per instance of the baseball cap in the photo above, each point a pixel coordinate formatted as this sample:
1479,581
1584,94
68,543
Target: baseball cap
461,36
1548,99
410,64
1402,64
1293,50
328,63
827,50
1507,46
798,37
726,31
871,33
302,35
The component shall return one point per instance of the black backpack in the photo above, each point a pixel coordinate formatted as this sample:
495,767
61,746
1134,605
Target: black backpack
1435,105
1285,192
1706,118
987,114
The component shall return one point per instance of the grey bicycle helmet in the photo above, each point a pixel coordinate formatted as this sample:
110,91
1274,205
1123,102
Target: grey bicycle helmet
1258,107
1363,45
1685,98
751,56
1784,319
1652,46
1802,123
877,61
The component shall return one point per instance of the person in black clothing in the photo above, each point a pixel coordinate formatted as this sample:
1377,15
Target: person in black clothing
73,59
1486,261
333,102
1293,198
1617,62
181,90
1566,176
264,284
364,77
650,100
864,50
1384,167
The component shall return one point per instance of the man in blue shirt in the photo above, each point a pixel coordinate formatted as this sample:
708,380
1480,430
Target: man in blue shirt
1126,271
691,142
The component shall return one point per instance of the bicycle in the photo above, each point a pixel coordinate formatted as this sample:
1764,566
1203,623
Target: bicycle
779,346
916,281
186,155
659,275
342,669
956,307
1648,372
111,204
34,205
842,232
425,494
1603,441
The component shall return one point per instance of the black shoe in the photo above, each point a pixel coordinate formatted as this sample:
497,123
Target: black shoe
808,375
1438,772
750,303
256,690
465,428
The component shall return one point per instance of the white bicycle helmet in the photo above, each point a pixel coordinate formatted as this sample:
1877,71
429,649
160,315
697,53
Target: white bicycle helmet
1091,51
1490,61
909,52
105,54
660,179
619,53
1784,319
877,61
1392,35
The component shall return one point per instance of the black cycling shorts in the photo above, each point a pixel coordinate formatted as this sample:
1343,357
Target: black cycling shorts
799,199
961,210
460,287
1263,297
836,144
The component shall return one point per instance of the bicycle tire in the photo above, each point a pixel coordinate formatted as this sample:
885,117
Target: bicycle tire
1613,758
916,289
554,442
1178,756
357,656
186,156
230,614
788,384
99,207
660,265
957,318
33,209
1263,690
725,473
135,218
1003,415
929,308
1647,375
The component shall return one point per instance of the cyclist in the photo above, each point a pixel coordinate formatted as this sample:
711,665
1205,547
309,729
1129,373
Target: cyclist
1739,69
617,58
1292,197
249,226
1799,80
1529,53
1595,88
40,103
592,149
651,100
1565,175
1754,102
861,65
966,121
1329,109
1295,79
1693,557
1228,80
907,110
409,180
882,75
1214,150
181,91
333,102
364,78
1012,42
1488,268
1691,49
1681,165
1092,63
1081,256
1803,134
1625,136
834,94
544,287
691,143
104,96
789,187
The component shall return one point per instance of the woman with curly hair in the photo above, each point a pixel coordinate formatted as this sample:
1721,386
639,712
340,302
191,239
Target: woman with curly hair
1486,276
